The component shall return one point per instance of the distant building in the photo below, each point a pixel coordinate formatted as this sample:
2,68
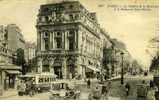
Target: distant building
30,55
69,40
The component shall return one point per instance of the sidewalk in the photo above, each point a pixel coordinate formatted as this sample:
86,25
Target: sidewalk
114,98
8,93
84,96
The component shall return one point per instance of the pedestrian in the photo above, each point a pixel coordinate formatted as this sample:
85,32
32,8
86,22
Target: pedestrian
151,84
96,93
104,92
109,85
88,83
90,96
127,87
156,92
32,88
151,94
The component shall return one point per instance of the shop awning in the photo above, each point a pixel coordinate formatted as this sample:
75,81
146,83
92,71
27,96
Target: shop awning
10,67
13,71
91,68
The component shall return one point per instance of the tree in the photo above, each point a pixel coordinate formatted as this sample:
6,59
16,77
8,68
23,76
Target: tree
20,60
154,44
154,63
108,60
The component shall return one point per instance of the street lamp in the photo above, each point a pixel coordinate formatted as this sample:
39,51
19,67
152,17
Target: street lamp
122,69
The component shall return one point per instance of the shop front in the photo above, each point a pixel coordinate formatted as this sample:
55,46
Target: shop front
91,72
8,76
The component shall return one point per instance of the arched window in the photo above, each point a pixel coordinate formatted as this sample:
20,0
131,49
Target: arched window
58,40
46,44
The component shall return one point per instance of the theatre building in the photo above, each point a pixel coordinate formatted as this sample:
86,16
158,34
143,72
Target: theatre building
68,40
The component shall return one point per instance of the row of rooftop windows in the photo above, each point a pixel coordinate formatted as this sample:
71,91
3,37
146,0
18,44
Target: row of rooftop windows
46,9
57,8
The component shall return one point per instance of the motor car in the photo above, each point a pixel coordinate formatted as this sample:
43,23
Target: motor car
62,90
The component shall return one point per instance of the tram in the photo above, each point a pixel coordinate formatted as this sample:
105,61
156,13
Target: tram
40,81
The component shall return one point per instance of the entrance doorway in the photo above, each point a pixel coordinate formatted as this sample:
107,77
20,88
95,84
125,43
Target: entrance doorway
71,71
58,71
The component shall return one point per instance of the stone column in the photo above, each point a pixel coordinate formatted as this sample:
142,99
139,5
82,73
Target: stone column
42,42
39,63
64,69
79,69
50,40
39,41
63,40
53,40
51,65
83,72
77,63
66,40
2,83
76,39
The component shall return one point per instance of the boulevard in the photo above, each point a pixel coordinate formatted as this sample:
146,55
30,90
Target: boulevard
77,50
117,91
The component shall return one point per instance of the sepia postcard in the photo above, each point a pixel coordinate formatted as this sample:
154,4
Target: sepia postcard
79,49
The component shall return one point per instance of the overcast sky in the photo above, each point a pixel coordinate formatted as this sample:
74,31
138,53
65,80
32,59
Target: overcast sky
134,28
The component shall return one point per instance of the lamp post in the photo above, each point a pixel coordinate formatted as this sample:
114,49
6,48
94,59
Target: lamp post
122,69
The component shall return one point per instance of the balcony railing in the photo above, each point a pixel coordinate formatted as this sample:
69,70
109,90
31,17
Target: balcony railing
68,52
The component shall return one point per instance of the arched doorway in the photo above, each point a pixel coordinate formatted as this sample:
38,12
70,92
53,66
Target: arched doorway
71,72
45,65
58,68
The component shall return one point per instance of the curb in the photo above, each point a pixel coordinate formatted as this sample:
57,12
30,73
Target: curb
114,79
2,97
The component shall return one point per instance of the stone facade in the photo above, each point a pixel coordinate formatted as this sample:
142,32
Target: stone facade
10,40
5,53
69,40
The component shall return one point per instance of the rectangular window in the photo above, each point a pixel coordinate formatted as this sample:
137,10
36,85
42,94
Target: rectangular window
59,42
71,44
71,40
46,44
